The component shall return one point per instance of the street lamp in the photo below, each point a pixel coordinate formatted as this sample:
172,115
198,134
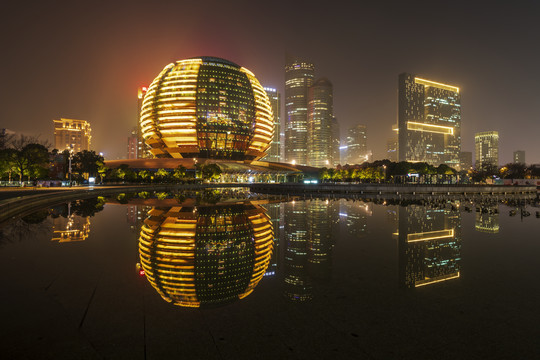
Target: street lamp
384,167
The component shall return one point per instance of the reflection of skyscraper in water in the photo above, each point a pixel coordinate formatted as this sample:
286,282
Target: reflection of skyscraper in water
274,212
354,214
135,215
308,245
70,228
487,220
209,255
429,245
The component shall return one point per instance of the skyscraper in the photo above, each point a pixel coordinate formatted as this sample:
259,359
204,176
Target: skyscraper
429,121
319,124
429,245
519,157
142,149
274,152
487,149
72,134
336,142
132,144
298,78
357,152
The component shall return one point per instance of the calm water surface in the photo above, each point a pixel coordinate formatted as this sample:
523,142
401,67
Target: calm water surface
316,279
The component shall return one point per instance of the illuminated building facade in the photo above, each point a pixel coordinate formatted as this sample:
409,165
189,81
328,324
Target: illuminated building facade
336,142
274,152
519,157
309,231
319,124
207,108
487,220
299,76
486,145
429,245
208,255
429,121
465,159
357,152
142,149
72,134
132,144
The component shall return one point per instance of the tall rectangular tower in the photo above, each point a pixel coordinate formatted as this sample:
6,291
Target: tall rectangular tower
519,157
142,148
320,115
298,78
487,149
274,152
357,152
429,121
72,134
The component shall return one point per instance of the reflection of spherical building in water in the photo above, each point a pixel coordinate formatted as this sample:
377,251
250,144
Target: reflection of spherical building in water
207,108
207,255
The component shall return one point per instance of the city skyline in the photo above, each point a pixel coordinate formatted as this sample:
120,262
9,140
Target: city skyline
93,71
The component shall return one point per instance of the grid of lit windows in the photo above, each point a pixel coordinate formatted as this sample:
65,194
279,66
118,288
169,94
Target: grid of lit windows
429,121
207,255
207,107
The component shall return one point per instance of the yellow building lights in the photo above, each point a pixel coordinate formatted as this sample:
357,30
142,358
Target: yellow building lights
436,84
430,235
439,129
207,107
206,255
430,281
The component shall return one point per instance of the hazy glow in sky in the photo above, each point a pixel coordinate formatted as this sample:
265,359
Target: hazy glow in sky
86,59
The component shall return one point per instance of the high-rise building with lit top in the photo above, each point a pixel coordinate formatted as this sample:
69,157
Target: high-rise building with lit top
319,124
429,121
72,134
486,145
357,152
519,157
299,76
274,152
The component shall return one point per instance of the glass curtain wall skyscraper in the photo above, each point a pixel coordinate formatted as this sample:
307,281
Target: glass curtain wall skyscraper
357,152
429,121
320,115
487,149
299,76
142,148
274,152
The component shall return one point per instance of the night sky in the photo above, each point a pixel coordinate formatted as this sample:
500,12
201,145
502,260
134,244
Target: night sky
85,59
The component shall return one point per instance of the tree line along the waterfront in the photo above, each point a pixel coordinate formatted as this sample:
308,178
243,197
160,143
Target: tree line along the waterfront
28,159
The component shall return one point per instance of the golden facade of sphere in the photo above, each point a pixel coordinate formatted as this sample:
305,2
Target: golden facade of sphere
206,256
206,108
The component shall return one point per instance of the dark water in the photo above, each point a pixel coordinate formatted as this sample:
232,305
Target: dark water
319,279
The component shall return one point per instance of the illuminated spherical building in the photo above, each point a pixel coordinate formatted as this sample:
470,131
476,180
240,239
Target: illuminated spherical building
207,108
206,256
